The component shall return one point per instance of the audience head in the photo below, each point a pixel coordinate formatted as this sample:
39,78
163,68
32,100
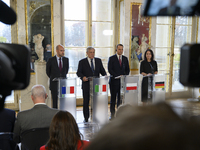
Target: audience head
149,127
119,49
90,52
38,94
48,47
148,55
121,109
173,2
60,50
63,132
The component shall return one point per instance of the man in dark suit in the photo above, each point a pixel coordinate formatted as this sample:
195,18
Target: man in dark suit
117,65
56,67
39,116
7,119
172,9
48,53
89,67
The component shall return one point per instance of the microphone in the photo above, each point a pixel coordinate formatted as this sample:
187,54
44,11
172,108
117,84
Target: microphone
7,14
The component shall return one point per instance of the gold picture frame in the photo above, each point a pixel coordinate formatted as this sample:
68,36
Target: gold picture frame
140,30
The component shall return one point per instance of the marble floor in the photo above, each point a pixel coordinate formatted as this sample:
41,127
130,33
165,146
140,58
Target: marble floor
88,130
182,107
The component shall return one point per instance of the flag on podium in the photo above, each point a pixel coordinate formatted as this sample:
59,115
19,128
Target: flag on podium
159,85
68,90
131,86
100,88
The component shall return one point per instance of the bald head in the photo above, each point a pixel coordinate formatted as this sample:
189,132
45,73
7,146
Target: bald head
60,50
38,94
59,46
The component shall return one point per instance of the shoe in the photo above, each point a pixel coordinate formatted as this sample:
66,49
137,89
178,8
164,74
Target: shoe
85,121
111,118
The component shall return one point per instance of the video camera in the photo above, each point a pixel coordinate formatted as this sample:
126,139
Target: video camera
14,60
189,74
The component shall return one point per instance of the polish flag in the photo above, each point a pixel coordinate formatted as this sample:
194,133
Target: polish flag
68,90
131,86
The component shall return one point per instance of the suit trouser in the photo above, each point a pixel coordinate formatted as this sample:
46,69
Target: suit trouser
86,99
115,92
54,94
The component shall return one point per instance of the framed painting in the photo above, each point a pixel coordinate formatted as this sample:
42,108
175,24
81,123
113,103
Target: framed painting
139,36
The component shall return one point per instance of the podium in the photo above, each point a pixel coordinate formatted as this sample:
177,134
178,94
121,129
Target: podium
156,87
67,94
158,93
99,99
129,89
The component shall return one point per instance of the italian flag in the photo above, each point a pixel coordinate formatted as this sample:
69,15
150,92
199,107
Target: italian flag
131,86
159,85
68,90
100,88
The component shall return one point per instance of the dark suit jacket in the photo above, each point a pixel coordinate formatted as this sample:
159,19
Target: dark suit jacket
7,119
47,55
164,11
52,70
115,70
84,69
39,116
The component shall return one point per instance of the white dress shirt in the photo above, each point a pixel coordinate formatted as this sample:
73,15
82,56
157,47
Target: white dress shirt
93,60
59,61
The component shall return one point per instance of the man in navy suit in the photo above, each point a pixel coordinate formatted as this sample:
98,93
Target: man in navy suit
56,67
89,67
7,119
117,65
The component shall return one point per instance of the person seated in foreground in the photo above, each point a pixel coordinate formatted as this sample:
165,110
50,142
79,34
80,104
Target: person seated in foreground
39,116
64,134
7,119
154,127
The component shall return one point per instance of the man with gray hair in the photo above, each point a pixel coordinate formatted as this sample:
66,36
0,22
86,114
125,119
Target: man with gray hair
89,67
39,116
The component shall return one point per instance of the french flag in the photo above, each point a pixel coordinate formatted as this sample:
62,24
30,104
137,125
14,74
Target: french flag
68,90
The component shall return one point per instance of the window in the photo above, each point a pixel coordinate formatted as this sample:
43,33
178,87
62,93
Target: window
183,33
171,34
163,45
5,37
88,23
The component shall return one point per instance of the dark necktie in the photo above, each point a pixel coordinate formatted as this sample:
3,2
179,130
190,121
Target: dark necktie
120,61
60,64
92,66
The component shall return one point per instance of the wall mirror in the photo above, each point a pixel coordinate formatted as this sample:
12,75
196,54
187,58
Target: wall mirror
39,24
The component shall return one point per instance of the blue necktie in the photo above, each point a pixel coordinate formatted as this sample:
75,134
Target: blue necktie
92,66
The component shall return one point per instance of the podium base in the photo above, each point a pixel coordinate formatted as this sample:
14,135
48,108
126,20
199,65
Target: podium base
193,99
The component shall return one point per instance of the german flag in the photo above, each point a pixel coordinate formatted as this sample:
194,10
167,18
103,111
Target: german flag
159,85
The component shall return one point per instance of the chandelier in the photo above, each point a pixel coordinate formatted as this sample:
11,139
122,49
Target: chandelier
142,19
